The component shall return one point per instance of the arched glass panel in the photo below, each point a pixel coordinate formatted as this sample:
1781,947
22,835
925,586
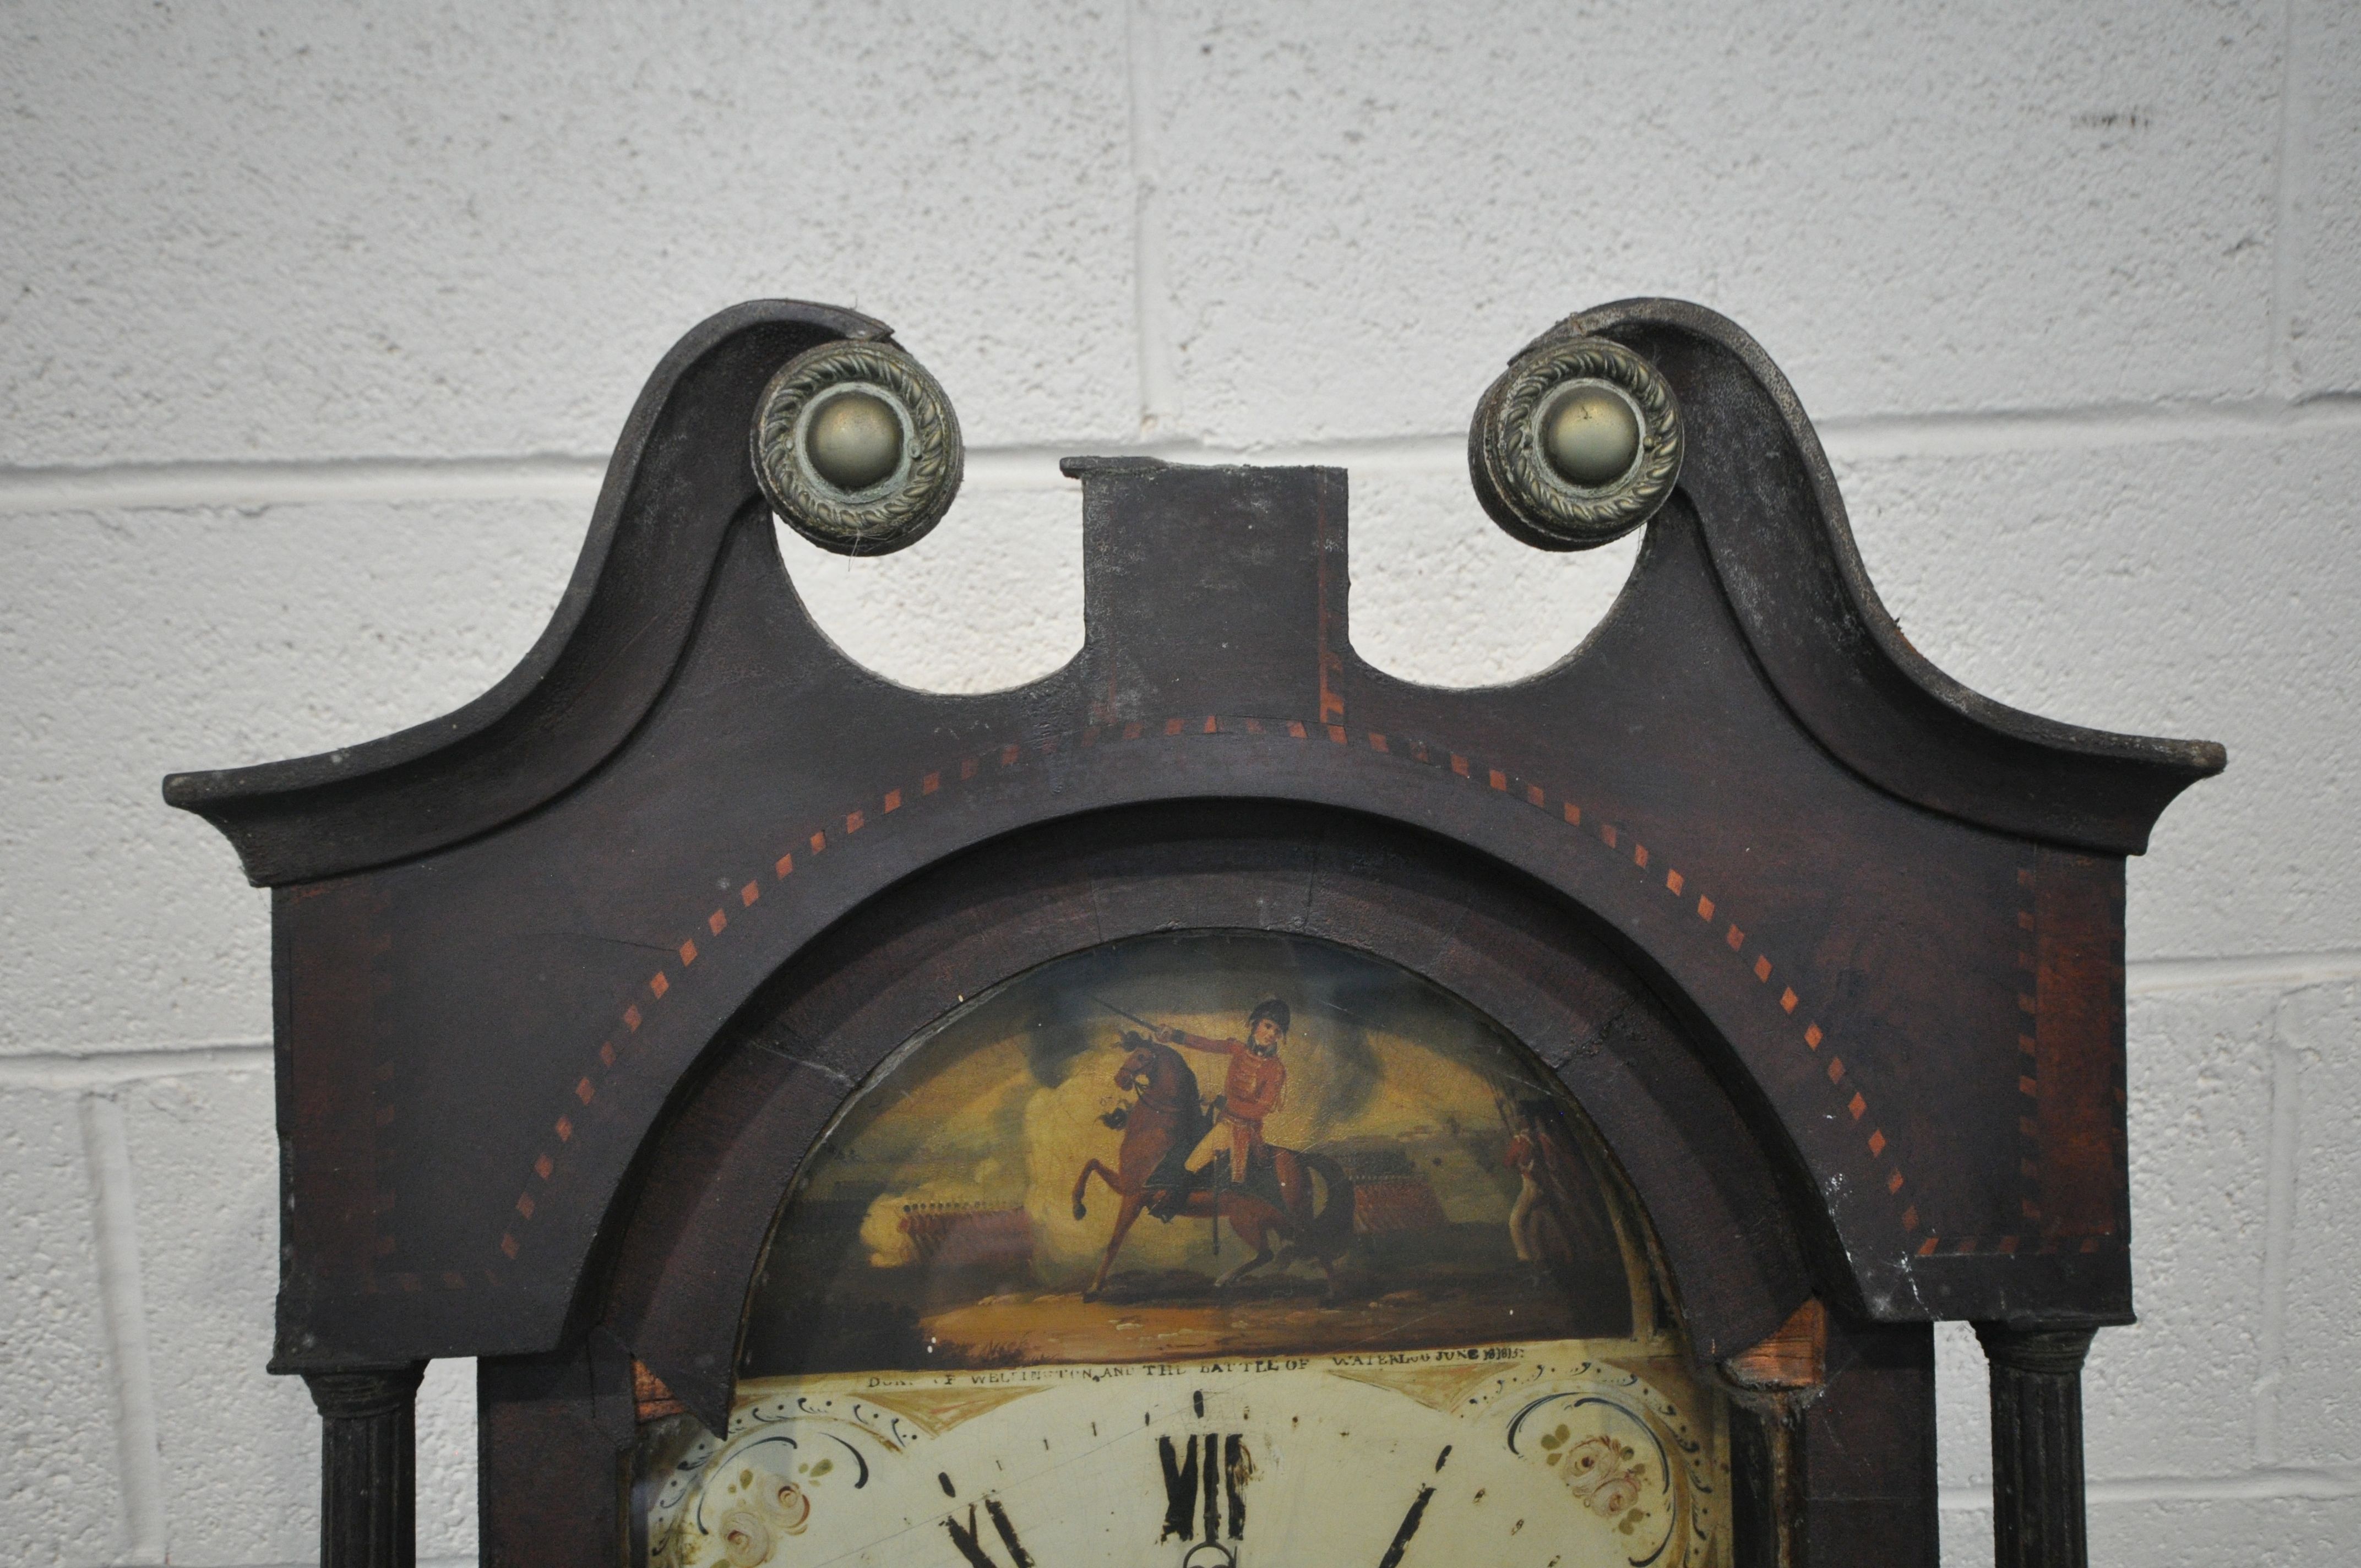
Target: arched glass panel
1196,1249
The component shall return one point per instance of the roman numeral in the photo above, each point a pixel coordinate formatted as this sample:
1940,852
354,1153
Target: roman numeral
1211,1469
966,1537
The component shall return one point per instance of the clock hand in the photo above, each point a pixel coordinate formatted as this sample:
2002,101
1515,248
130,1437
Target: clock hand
1392,1559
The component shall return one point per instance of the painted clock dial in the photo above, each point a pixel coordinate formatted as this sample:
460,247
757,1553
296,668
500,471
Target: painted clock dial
1205,1248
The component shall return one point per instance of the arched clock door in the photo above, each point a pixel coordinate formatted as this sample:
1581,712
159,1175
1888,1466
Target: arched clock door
1248,1230
951,1224
1216,1104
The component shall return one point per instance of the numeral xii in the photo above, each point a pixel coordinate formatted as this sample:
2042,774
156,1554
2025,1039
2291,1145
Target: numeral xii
1210,1468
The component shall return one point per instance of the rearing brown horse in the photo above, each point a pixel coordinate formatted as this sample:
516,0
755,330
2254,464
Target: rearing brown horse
1168,1116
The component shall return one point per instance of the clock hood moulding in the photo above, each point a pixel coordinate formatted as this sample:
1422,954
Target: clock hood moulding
1773,520
1888,909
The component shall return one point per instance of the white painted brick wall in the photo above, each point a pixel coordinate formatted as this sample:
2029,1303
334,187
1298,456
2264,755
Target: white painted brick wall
315,327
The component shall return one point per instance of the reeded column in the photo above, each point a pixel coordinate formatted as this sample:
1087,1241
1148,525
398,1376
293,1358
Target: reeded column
2036,1438
369,1475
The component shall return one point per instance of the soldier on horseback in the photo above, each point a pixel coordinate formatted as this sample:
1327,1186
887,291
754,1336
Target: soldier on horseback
1254,1088
1171,1142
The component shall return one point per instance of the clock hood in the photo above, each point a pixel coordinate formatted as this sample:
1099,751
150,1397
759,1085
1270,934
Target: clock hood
1877,917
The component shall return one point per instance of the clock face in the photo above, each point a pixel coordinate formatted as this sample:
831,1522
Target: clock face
1204,1249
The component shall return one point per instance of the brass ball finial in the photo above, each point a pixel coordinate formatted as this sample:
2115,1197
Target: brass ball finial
856,447
1590,435
1579,442
854,441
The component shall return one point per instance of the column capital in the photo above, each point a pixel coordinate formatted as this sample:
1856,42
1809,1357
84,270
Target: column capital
356,1393
2056,1350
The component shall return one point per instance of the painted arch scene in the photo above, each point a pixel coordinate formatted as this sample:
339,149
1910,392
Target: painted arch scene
1197,1144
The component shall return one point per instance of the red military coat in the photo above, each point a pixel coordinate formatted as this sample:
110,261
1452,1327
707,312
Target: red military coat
1252,1089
